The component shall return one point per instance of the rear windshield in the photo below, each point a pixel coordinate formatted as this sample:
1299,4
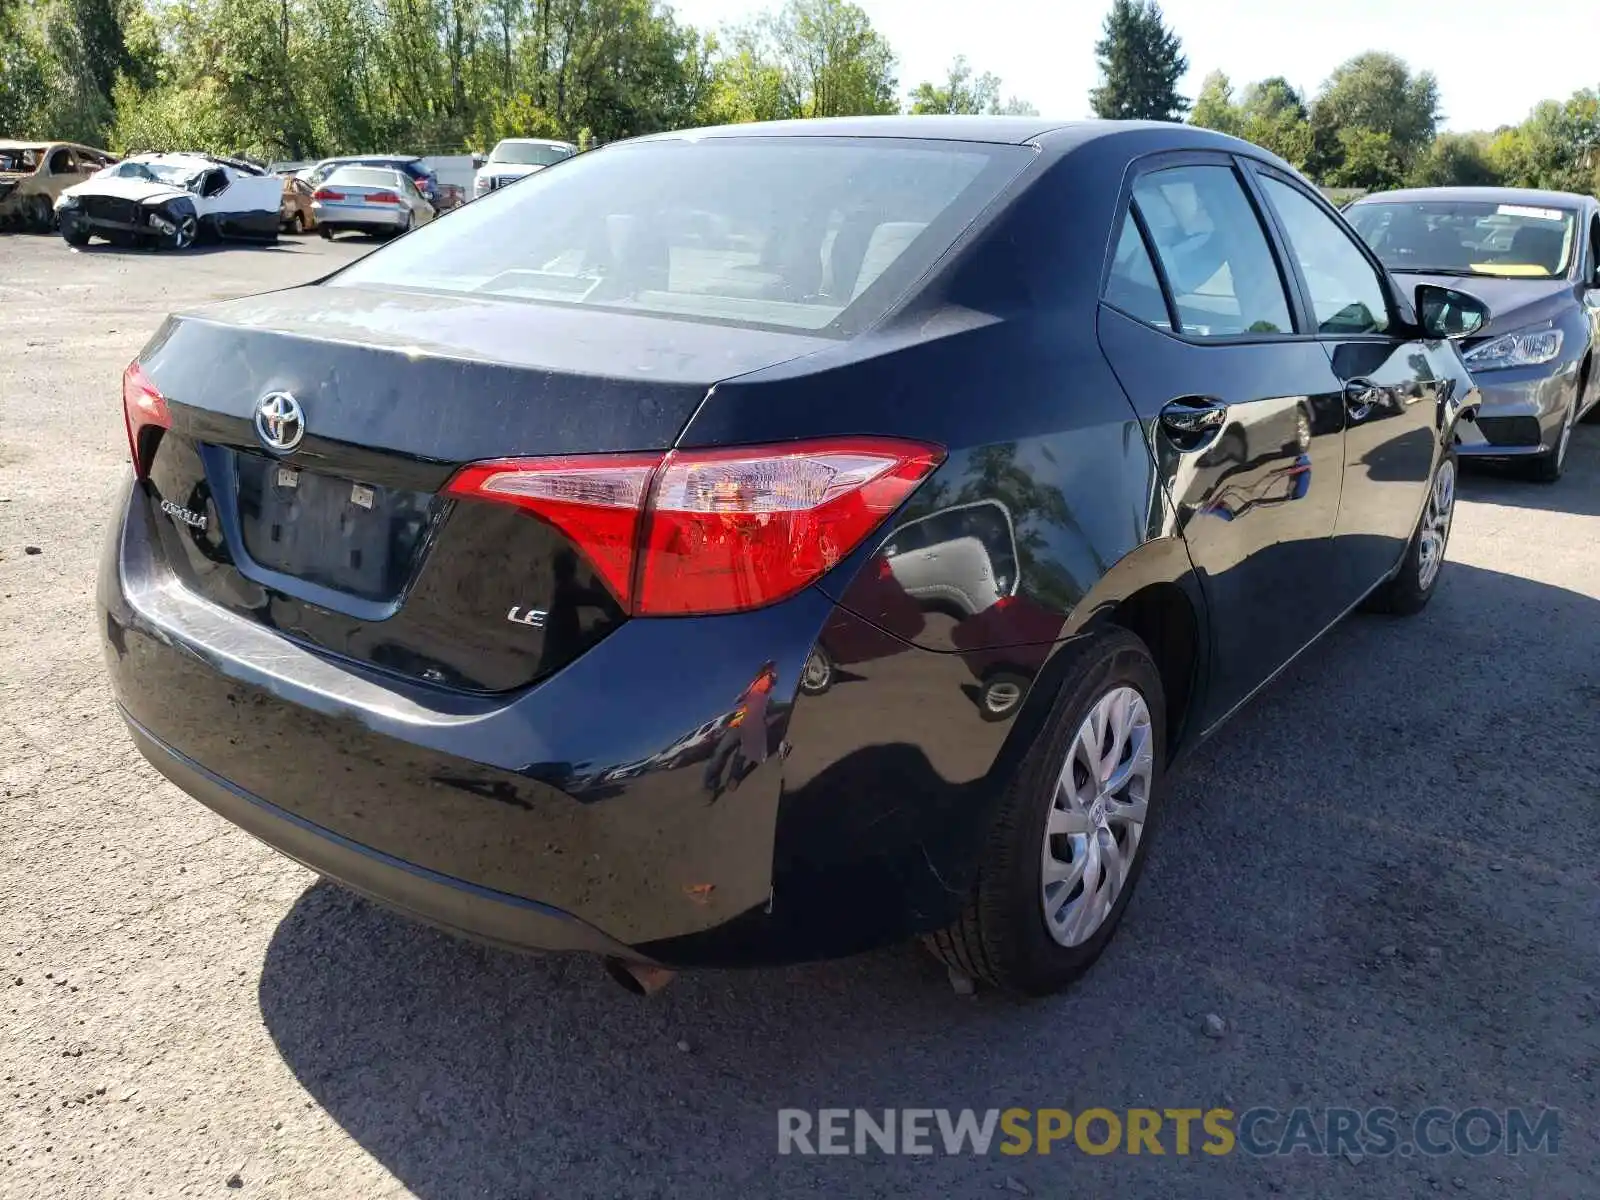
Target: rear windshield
785,233
1458,237
529,154
381,177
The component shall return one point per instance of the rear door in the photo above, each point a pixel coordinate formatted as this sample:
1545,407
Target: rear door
1394,386
1202,325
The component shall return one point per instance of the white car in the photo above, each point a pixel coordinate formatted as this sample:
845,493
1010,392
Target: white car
171,200
514,158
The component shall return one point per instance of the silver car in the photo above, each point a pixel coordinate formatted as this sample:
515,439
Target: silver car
1534,258
376,200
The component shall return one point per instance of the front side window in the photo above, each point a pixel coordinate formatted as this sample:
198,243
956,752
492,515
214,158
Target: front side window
1217,260
788,233
1460,237
1346,293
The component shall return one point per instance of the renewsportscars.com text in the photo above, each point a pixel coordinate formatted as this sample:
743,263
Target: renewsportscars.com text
1255,1131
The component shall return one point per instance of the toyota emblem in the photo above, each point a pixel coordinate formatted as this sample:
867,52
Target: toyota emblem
280,423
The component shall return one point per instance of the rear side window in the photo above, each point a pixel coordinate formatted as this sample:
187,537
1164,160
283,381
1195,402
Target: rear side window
1346,291
786,233
1133,286
1214,251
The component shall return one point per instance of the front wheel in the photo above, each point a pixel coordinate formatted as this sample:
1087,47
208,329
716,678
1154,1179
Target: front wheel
1549,466
73,231
1072,830
1412,586
184,232
816,676
42,216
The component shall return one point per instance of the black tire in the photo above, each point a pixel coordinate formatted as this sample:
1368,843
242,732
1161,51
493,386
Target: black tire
297,223
42,216
74,232
1001,937
1409,590
326,232
1552,464
1001,695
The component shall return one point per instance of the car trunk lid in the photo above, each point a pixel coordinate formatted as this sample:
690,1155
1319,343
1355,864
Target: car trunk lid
345,540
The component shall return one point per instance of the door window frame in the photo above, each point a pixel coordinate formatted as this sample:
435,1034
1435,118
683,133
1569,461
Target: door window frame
1163,160
1401,318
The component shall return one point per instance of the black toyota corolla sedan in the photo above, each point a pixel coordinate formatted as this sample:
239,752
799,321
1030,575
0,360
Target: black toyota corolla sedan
758,544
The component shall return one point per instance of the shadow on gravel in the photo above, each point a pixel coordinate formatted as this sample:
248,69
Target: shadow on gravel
1381,876
200,250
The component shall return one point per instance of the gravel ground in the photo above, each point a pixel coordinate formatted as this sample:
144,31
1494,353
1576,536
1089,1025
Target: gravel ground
1381,877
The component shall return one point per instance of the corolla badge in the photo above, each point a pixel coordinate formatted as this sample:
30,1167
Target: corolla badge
178,513
280,422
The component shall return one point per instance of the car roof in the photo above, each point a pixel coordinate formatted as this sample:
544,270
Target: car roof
519,141
357,166
1483,195
11,144
1018,131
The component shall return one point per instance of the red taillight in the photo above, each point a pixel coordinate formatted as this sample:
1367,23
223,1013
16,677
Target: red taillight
327,194
708,531
143,408
383,197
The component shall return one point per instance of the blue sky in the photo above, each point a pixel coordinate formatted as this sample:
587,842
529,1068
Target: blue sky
1495,59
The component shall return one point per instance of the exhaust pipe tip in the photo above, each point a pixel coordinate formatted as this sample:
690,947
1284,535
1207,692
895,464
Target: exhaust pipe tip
637,978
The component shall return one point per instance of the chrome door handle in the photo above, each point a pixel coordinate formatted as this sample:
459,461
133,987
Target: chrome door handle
1192,422
1361,396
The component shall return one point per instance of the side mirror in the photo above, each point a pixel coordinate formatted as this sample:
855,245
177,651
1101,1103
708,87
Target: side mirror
1447,313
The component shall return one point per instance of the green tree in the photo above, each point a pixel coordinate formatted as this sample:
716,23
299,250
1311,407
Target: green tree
1214,107
1375,93
1367,159
1274,117
834,62
1455,160
961,93
1141,61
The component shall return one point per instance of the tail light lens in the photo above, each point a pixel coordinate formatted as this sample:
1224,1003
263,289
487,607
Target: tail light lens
327,194
711,531
144,410
383,197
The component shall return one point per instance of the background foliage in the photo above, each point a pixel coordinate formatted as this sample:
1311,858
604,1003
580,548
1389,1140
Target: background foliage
299,78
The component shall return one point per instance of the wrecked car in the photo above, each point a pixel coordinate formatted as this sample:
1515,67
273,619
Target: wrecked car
33,174
172,201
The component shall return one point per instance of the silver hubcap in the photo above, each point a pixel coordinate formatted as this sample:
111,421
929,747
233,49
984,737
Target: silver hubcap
1098,815
184,234
1436,523
816,672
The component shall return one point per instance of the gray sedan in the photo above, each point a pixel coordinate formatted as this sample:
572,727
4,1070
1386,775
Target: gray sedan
369,200
1534,259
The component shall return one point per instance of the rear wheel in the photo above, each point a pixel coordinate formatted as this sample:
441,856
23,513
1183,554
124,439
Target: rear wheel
297,223
326,232
1072,830
40,215
1413,585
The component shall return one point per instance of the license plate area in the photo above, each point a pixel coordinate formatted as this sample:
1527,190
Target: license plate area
355,537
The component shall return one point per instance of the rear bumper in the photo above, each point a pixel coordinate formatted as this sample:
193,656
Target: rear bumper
351,216
450,904
582,813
